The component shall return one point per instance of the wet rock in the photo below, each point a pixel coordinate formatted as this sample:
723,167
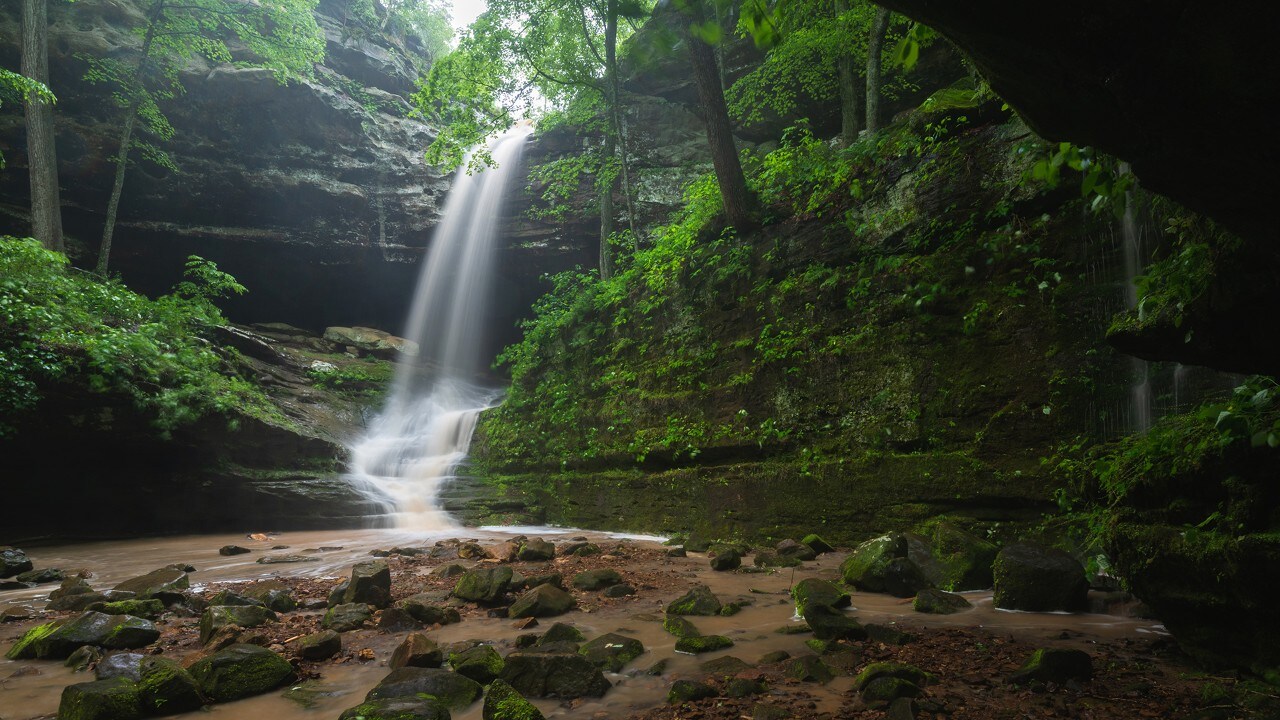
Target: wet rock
618,591
57,640
765,559
728,559
165,584
702,644
243,616
808,668
377,342
13,561
39,577
448,571
965,559
791,548
483,585
318,646
829,623
882,565
904,708
481,663
882,691
453,690
423,608
586,550
562,675
393,620
726,665
901,671
346,617
114,699
612,651
536,550
240,671
813,591
229,550
743,687
285,559
554,578
166,688
677,552
273,594
888,634
776,656
689,691
596,579
472,551
125,665
83,657
150,609
542,601
938,602
15,613
370,584
336,594
817,544
561,633
15,585
698,601
769,712
398,708
227,597
1039,578
570,547
502,702
733,608
1056,665
417,650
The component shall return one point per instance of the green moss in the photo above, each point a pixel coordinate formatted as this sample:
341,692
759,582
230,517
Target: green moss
481,663
114,699
875,670
240,671
680,627
140,608
25,647
502,702
702,644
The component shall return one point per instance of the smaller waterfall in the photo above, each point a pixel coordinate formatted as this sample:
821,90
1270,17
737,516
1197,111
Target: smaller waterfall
414,447
1135,261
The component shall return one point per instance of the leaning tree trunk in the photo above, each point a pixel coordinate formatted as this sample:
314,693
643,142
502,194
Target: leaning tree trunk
879,26
738,201
42,156
849,100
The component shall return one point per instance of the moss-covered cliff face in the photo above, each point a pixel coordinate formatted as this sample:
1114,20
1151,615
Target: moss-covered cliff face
909,342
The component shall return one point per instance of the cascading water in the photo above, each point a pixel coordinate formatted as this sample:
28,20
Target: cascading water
1134,263
415,445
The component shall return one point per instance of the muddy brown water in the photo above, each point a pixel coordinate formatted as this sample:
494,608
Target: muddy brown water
31,689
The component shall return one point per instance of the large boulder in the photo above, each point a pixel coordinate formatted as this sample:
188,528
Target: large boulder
417,650
240,671
815,591
165,687
1034,577
114,699
1056,665
965,559
562,675
542,601
939,602
166,584
882,565
453,690
13,561
502,702
698,601
58,640
481,663
398,708
423,607
318,646
377,342
828,623
346,617
596,579
536,550
370,584
483,585
612,651
245,616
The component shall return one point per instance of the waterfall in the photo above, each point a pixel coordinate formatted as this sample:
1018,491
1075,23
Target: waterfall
1134,264
414,446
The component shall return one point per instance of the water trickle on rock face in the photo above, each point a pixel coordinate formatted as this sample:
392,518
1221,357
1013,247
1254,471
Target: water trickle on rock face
415,445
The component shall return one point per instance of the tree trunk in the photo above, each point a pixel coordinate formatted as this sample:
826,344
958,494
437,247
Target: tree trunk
126,141
849,100
879,26
606,208
42,156
738,201
615,105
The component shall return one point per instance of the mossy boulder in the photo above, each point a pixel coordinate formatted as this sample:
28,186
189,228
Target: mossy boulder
453,690
767,559
24,648
502,702
318,646
370,584
424,608
1056,665
166,584
683,691
542,601
561,633
938,602
698,601
798,550
346,617
727,559
744,687
41,576
114,632
127,665
817,544
808,668
245,616
724,666
678,626
552,578
882,691
149,609
828,623
612,651
1034,577
882,565
702,644
228,597
596,579
114,699
965,558
903,671
272,594
417,650
536,550
13,561
481,663
562,675
166,688
814,591
398,708
240,671
483,585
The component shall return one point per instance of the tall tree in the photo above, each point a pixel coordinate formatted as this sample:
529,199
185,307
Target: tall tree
875,47
846,60
42,157
279,35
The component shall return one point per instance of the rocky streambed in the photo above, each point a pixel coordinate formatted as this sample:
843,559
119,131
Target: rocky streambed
570,624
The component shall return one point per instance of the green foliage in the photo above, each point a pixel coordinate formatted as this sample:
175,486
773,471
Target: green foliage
1102,181
1173,282
60,328
808,175
20,88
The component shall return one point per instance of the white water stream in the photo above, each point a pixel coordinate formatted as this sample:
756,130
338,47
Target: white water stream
413,448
